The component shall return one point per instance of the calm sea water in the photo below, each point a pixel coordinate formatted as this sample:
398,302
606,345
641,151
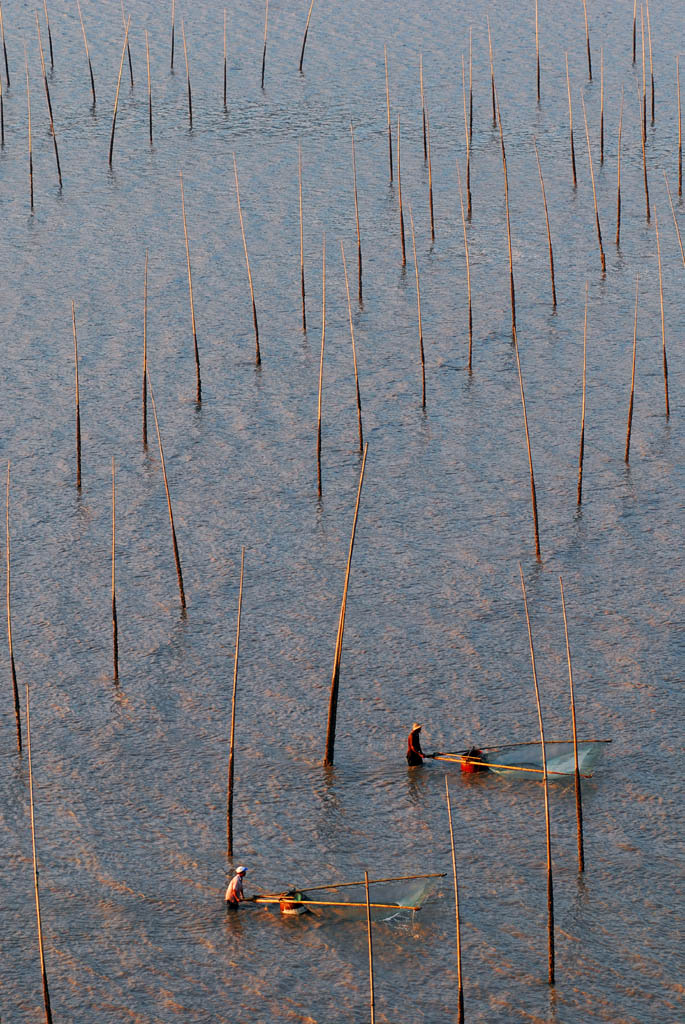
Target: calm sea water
130,778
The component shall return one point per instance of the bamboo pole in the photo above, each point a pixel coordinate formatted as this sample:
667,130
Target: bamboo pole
304,38
354,352
579,496
468,144
190,95
644,167
149,86
47,97
231,746
387,103
550,886
85,43
13,671
601,105
644,73
537,48
549,234
460,987
680,129
173,25
144,403
323,340
651,62
494,764
468,271
345,885
570,125
334,903
492,75
198,390
399,193
258,356
372,1001
675,222
418,308
299,179
576,774
116,98
115,629
47,22
594,190
335,681
2,116
128,45
430,183
41,951
77,399
266,26
28,104
356,215
470,85
634,27
632,377
618,176
225,61
4,49
512,290
423,109
663,320
533,496
177,557
587,42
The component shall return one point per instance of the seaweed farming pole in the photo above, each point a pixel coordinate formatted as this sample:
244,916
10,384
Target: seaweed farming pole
618,176
173,26
323,340
537,48
356,215
116,97
512,290
144,404
570,125
594,190
231,745
190,95
492,76
177,557
47,22
643,134
418,309
468,143
587,43
354,352
372,1000
198,392
15,689
460,1012
41,951
601,105
430,183
632,379
634,28
675,222
651,62
115,625
2,116
128,45
533,496
680,129
579,496
399,195
423,108
576,773
335,681
387,103
28,106
258,356
302,289
225,62
266,28
4,49
149,86
85,43
549,235
470,84
550,885
468,269
77,399
663,321
306,31
47,97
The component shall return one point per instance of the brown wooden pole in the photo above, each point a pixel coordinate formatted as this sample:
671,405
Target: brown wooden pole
173,25
418,308
460,987
266,28
372,1000
4,49
594,191
115,627
675,222
144,404
634,28
41,950
468,144
225,62
399,196
177,557
190,95
231,745
28,104
2,116
354,352
47,22
601,105
323,340
632,378
149,87
533,496
576,774
680,130
258,356
356,215
470,85
430,182
570,126
198,382
128,45
651,62
335,681
512,290
13,671
423,109
302,288
116,97
663,319
49,102
372,881
549,234
644,74
644,167
77,399
387,103
587,42
306,31
537,48
618,176
550,885
468,270
579,496
85,43
492,76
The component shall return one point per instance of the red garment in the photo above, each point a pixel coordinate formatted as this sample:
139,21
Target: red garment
415,755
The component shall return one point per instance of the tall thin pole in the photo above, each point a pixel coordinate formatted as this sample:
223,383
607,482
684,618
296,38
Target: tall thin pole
570,125
601,105
85,43
128,45
587,42
399,196
302,289
550,886
266,28
47,97
634,27
231,746
468,269
512,290
537,48
198,390
115,629
47,22
258,357
116,98
579,802
533,496
549,234
675,222
190,95
173,26
492,75
372,1000
579,496
663,320
144,405
306,30
149,86
177,557
77,399
335,681
680,129
4,49
423,108
651,62
618,176
468,143
594,191
418,308
387,103
28,105
632,378
356,214
15,688
225,60
354,351
460,989
323,340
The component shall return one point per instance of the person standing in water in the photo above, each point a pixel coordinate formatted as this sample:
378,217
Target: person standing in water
415,756
234,892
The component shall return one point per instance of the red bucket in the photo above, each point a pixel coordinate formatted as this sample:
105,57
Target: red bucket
467,761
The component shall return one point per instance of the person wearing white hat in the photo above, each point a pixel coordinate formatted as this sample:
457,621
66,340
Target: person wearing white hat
415,756
234,893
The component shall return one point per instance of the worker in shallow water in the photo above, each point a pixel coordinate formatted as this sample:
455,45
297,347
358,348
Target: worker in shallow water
234,892
415,756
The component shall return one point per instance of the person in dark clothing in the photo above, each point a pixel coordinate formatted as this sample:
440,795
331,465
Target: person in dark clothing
415,756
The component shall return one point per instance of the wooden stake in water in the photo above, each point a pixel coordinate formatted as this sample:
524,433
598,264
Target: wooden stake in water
492,76
266,26
258,357
663,320
399,196
570,126
634,27
579,496
47,97
680,129
651,62
533,496
579,803
4,49
149,86
335,682
460,987
299,179
77,399
190,95
549,234
675,222
2,116
47,22
418,309
225,61
632,377
144,405
368,932
423,108
470,85
306,30
618,183
537,48
468,269
177,557
512,290
116,98
430,183
41,951
594,191
601,105
128,45
354,352
356,215
587,41
644,74
115,629
231,745
85,43
173,25
28,104
198,391
13,671
644,165
387,103
323,339
550,886
468,144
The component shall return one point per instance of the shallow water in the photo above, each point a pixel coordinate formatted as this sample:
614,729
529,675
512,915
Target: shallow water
130,779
